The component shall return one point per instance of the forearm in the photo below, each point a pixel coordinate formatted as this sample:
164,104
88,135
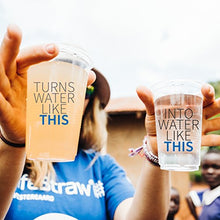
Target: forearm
151,199
11,166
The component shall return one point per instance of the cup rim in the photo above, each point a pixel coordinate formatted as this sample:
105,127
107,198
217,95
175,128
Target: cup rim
194,87
176,81
75,54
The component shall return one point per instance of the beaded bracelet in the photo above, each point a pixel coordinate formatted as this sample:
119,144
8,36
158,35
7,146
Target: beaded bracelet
146,152
9,142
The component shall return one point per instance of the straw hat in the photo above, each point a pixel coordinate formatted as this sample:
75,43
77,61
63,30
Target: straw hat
102,88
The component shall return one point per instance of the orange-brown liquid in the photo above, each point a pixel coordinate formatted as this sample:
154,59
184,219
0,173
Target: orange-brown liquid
55,100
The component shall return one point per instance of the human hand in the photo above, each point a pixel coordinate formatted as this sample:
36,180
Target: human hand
211,107
146,97
14,65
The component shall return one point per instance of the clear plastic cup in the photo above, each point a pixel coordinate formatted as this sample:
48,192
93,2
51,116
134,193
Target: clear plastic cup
55,101
178,115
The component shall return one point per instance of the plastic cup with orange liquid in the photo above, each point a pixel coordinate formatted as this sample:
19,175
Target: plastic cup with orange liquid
55,101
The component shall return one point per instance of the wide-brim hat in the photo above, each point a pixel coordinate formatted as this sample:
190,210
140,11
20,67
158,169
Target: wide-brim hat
102,88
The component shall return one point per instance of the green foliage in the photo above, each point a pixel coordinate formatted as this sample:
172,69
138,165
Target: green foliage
216,86
196,176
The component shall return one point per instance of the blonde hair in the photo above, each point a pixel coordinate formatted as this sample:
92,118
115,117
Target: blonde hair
93,136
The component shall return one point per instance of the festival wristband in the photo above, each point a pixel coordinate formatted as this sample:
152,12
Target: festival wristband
9,142
146,152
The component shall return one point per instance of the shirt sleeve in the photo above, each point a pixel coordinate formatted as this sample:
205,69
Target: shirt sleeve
117,186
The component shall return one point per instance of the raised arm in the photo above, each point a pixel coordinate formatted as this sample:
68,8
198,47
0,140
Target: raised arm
13,74
13,86
151,199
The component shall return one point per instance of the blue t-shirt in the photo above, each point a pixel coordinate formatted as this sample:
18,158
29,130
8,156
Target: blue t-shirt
79,192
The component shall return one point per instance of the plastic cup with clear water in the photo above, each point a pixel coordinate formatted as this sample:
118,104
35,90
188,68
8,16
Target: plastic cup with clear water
178,115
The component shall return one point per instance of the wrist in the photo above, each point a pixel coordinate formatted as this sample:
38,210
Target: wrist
153,159
9,143
149,155
145,151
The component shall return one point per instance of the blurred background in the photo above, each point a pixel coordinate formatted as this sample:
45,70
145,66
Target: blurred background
132,42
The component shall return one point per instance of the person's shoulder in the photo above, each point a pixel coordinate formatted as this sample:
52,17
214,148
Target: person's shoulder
97,158
105,161
108,161
87,153
195,197
93,154
107,157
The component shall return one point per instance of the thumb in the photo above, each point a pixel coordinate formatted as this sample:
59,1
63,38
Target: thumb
208,94
146,97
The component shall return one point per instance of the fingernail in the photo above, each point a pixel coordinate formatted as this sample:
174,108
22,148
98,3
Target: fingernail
13,31
50,48
211,89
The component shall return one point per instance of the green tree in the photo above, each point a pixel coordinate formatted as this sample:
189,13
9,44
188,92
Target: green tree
216,86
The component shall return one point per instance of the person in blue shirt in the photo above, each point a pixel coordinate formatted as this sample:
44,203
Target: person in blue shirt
205,204
93,186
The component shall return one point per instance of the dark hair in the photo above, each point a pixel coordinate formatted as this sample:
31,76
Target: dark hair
211,150
214,150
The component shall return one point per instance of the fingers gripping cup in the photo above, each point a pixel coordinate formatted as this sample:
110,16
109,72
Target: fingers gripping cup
178,112
55,102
